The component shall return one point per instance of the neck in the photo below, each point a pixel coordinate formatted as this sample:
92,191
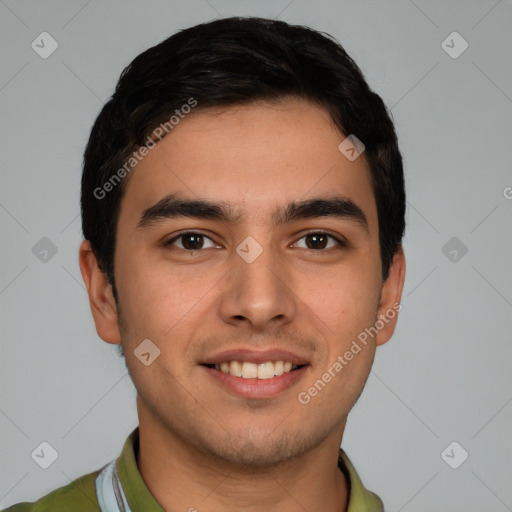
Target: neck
183,478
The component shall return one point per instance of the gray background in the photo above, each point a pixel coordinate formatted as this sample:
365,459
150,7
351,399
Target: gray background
444,377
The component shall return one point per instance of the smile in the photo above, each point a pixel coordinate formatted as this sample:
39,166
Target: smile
249,370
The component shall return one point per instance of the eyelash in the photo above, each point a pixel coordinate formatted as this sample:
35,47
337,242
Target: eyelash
341,243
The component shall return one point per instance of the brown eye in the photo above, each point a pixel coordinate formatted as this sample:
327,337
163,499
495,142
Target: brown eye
316,241
190,241
319,241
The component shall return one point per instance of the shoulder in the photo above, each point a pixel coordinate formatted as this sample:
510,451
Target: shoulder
77,496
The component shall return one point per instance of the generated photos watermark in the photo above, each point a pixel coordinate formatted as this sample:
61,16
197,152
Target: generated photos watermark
158,133
304,397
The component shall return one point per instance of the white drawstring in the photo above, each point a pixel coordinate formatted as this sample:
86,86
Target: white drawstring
109,490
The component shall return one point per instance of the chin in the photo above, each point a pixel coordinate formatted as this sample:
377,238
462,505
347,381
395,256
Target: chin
257,452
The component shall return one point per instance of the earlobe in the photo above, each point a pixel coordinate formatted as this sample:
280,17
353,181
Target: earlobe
101,298
390,298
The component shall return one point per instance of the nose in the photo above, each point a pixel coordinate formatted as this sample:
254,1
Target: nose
258,294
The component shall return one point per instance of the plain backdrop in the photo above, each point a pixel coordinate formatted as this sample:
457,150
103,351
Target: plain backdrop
444,377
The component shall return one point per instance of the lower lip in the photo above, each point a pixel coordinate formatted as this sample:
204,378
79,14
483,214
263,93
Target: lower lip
257,388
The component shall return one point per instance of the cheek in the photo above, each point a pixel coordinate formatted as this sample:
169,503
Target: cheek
346,299
156,298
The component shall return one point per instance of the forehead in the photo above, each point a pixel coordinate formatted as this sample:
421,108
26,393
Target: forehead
252,157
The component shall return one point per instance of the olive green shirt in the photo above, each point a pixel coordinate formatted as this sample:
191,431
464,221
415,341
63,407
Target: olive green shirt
80,495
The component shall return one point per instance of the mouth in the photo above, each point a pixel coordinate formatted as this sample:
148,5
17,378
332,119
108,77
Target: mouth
255,375
250,370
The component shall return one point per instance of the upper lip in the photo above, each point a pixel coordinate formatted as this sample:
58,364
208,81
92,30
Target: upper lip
255,356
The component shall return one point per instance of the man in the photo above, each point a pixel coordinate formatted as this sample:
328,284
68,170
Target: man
243,210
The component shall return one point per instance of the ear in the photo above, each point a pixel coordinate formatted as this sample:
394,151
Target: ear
390,298
101,298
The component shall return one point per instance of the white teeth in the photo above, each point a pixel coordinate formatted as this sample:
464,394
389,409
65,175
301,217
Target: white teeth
248,370
236,368
265,370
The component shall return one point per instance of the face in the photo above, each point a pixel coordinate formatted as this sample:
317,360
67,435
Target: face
256,280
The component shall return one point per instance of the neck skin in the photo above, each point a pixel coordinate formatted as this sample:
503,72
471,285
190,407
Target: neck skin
181,478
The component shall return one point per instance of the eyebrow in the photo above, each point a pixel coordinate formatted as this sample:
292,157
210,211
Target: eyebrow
173,206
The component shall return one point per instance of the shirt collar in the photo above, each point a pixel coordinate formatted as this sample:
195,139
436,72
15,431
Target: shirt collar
135,489
139,497
360,499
